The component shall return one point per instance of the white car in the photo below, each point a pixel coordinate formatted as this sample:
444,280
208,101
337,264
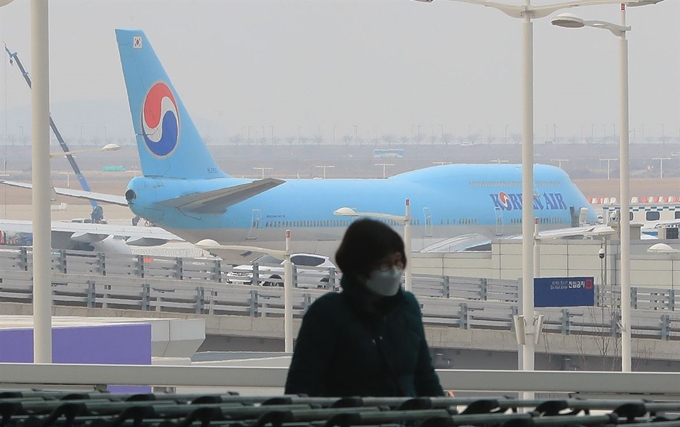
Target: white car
312,271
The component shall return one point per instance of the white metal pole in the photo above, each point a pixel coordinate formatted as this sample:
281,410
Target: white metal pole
288,299
528,193
624,218
537,251
40,129
407,247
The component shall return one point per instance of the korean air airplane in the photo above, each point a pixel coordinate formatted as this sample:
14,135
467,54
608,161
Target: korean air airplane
185,192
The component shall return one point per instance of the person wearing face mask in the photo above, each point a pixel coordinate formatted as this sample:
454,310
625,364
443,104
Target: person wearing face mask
367,340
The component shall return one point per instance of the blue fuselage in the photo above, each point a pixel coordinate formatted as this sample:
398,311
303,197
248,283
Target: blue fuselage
446,201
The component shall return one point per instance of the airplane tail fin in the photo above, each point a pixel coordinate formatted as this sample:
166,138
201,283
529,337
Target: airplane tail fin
168,142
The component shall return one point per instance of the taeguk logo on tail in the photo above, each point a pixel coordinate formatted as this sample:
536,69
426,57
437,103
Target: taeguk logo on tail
160,120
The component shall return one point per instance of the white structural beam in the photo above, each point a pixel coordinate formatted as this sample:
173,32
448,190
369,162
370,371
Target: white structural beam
25,374
40,155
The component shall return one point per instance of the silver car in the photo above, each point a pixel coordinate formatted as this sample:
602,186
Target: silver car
313,271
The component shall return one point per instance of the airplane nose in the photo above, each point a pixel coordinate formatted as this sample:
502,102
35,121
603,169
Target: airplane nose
130,195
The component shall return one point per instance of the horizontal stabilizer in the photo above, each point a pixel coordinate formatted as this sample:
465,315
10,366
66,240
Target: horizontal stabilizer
217,201
79,194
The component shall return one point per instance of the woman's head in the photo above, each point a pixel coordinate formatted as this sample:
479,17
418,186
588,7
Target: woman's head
367,246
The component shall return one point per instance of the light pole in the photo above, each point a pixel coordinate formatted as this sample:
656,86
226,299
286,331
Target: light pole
324,169
107,147
661,159
211,245
592,133
559,162
262,168
609,160
571,21
405,220
527,12
663,134
384,165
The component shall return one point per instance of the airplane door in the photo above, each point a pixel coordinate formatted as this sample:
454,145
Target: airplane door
428,222
499,222
254,231
574,216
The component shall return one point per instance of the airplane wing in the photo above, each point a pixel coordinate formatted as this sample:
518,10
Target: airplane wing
79,194
462,243
89,233
598,230
217,201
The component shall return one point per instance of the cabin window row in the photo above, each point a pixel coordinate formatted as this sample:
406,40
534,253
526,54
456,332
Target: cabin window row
550,220
513,183
655,215
459,221
328,223
652,215
496,183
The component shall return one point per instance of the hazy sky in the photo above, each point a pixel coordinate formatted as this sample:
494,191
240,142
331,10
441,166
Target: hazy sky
391,64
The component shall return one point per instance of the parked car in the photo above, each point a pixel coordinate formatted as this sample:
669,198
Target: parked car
312,271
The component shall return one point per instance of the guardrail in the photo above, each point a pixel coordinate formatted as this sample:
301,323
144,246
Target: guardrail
28,374
217,272
199,286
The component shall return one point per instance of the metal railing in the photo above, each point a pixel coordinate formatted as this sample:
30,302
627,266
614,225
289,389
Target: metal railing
200,286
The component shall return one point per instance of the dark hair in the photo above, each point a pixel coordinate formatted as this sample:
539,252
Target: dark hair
365,243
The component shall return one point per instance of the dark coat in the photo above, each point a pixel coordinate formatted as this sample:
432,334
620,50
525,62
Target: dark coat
348,346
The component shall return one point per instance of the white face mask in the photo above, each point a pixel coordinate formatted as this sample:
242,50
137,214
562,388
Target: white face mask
385,283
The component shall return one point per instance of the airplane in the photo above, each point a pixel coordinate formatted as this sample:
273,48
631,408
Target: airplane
185,192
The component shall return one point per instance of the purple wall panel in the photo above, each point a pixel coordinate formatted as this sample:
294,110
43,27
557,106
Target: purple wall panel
101,344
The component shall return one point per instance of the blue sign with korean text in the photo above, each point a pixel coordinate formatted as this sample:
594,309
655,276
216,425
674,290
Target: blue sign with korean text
564,292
